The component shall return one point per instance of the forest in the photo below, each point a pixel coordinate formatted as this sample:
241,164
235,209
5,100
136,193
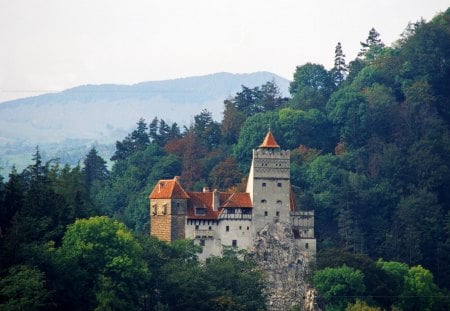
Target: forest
370,154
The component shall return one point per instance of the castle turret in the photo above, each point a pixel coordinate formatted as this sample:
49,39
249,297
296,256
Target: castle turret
168,208
269,184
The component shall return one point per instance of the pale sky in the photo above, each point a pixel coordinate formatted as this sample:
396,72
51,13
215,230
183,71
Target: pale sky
52,45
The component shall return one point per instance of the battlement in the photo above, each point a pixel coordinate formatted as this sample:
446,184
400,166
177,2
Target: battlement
271,154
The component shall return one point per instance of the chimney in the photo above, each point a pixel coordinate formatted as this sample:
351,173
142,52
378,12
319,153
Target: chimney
205,189
177,179
216,200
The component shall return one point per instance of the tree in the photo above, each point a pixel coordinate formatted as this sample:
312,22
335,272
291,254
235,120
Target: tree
153,130
271,96
137,140
225,174
347,109
419,291
12,201
24,288
108,256
206,129
232,122
372,47
311,87
139,136
340,69
339,286
251,101
94,168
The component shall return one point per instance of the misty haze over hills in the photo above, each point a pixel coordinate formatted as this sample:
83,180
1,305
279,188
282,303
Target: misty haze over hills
67,124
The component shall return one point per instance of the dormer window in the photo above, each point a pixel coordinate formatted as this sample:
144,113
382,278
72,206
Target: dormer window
200,211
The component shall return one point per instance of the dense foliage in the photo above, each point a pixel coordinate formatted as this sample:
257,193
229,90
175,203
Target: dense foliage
370,146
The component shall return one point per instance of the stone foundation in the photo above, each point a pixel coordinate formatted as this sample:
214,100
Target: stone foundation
286,267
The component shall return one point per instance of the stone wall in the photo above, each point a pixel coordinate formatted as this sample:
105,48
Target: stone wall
160,219
286,267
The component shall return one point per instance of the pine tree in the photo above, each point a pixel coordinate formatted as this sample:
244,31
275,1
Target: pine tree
153,129
372,46
340,69
94,168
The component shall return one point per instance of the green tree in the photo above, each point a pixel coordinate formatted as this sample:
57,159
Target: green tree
372,47
24,288
110,258
340,69
138,140
339,286
419,291
94,169
206,129
12,200
311,87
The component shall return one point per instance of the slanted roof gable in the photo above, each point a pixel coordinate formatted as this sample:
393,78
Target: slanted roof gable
168,189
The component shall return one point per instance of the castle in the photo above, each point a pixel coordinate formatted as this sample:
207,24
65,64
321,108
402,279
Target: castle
215,219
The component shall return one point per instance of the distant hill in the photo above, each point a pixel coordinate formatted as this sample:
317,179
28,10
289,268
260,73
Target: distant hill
76,118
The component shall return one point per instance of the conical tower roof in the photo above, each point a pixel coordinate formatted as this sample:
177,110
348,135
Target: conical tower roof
269,141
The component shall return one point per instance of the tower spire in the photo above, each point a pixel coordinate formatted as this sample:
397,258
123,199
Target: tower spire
269,141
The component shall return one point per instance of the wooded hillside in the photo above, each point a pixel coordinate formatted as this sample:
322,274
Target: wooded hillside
370,146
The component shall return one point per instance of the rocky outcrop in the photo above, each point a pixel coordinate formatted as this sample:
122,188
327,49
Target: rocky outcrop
286,267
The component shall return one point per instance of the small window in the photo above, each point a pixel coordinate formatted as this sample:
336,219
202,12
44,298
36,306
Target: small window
178,204
248,228
234,243
265,213
263,201
240,227
278,213
227,228
209,228
200,211
279,202
196,227
279,185
202,242
264,184
306,245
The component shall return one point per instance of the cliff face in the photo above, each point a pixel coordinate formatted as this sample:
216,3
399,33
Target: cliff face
286,267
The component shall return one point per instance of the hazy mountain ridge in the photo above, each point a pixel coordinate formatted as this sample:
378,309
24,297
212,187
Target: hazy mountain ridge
101,114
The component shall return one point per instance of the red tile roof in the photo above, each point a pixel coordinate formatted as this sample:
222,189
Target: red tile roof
205,200
238,199
168,189
269,141
201,200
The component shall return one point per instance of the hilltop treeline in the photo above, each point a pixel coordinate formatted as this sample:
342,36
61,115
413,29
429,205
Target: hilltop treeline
370,153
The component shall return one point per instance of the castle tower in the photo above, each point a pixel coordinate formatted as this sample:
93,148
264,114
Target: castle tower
168,206
269,184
